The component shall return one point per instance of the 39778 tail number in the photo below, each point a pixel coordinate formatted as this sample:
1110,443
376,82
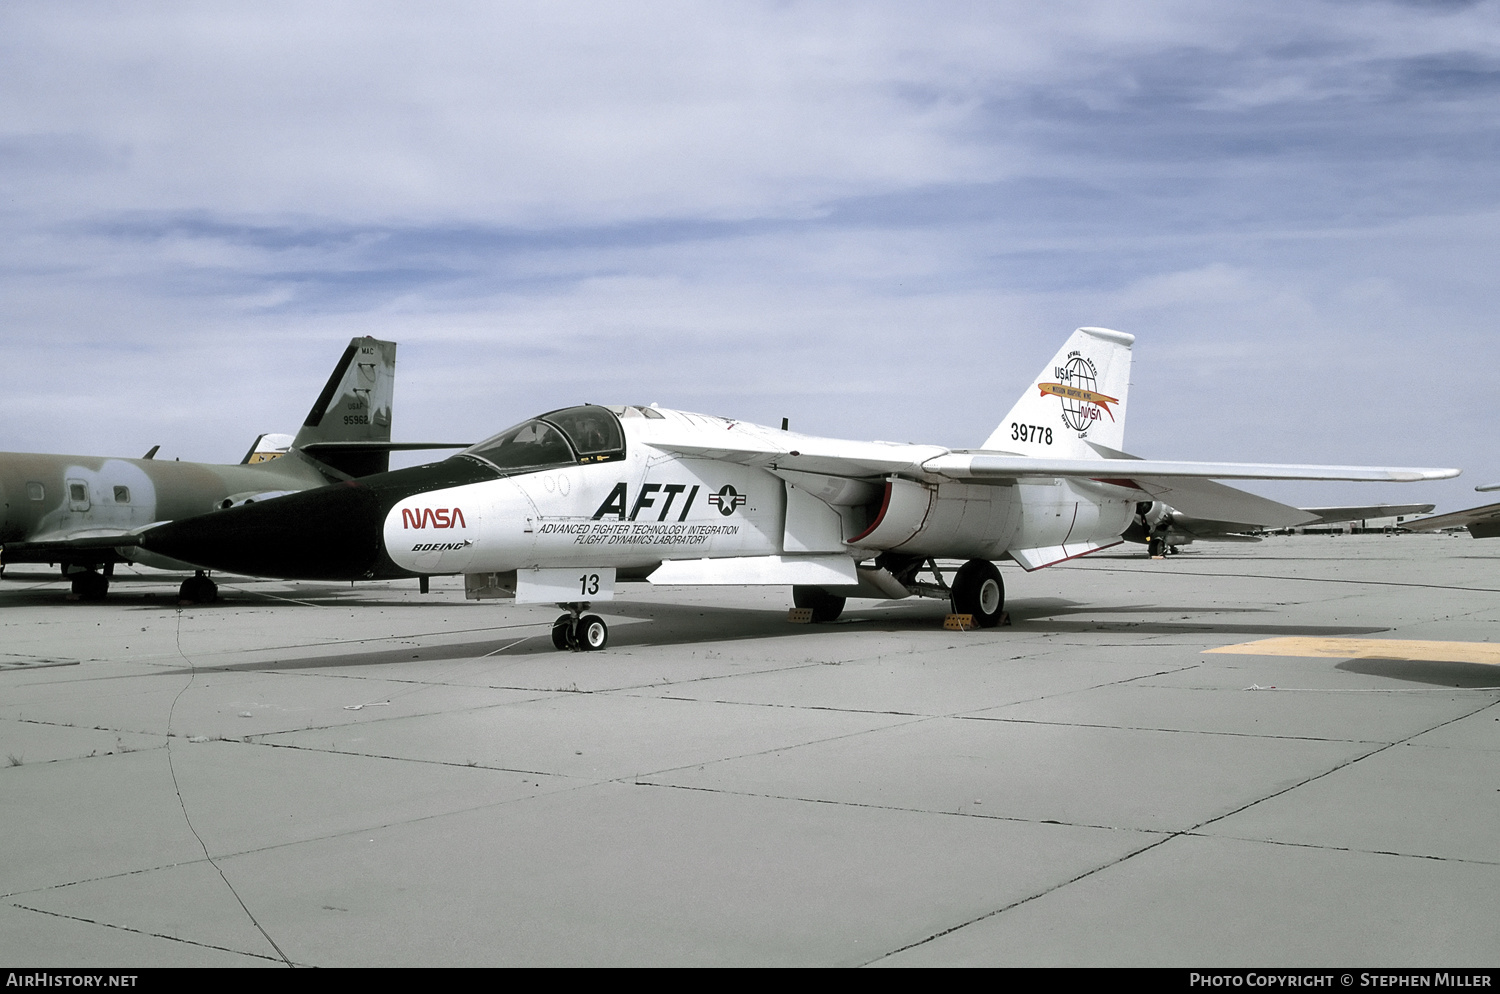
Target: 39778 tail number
1030,433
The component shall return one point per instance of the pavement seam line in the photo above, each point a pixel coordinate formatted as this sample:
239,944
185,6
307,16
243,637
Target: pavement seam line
141,931
1351,849
172,769
1191,832
868,806
1304,579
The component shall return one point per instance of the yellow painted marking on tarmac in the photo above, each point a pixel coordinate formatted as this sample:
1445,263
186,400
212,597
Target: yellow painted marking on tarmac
1487,653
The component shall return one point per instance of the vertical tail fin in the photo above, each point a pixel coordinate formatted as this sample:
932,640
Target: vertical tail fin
354,407
267,446
1077,399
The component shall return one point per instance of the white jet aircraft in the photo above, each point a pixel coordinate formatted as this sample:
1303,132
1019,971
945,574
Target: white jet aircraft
560,508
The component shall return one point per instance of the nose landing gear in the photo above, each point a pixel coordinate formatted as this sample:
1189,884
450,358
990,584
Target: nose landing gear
197,589
89,586
579,632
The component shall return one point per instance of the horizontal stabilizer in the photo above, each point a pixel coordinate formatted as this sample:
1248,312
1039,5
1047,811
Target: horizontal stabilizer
1486,519
1330,515
1217,503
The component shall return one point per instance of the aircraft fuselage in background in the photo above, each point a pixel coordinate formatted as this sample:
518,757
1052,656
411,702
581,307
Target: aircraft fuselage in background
47,499
85,512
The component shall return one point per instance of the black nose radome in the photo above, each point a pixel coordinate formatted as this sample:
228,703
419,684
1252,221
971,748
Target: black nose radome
331,533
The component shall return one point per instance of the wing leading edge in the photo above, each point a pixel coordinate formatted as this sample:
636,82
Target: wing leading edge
751,446
984,465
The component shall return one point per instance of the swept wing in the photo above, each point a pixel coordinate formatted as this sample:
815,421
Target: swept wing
1482,522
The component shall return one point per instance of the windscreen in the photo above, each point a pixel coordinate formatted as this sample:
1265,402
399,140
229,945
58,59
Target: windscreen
530,445
593,430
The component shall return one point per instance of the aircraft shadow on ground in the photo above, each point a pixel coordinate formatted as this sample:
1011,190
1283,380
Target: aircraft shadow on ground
670,625
1046,607
666,625
1232,629
34,590
1041,615
1439,674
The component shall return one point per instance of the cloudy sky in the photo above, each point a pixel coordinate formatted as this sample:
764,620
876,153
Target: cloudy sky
878,220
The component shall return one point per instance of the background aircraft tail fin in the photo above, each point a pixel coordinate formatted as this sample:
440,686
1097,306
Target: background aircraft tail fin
1077,399
354,408
266,447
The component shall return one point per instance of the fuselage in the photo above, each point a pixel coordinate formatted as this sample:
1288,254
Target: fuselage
630,488
47,498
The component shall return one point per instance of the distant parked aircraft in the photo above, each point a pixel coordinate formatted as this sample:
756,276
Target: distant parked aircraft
1164,528
1482,522
81,511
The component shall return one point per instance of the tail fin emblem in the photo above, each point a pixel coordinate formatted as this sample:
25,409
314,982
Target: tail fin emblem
1102,401
1080,401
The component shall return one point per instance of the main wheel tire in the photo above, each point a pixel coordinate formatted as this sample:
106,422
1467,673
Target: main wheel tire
593,633
825,606
198,589
978,590
562,632
90,586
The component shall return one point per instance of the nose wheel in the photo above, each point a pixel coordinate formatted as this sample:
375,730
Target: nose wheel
579,632
197,589
89,586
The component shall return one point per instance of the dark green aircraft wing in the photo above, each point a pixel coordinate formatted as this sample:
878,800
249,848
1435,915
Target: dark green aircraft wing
55,547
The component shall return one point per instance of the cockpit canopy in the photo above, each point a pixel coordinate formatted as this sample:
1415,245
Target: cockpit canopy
569,437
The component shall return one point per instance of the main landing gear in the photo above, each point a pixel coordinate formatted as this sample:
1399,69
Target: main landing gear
578,631
978,590
825,607
91,585
1157,548
198,589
